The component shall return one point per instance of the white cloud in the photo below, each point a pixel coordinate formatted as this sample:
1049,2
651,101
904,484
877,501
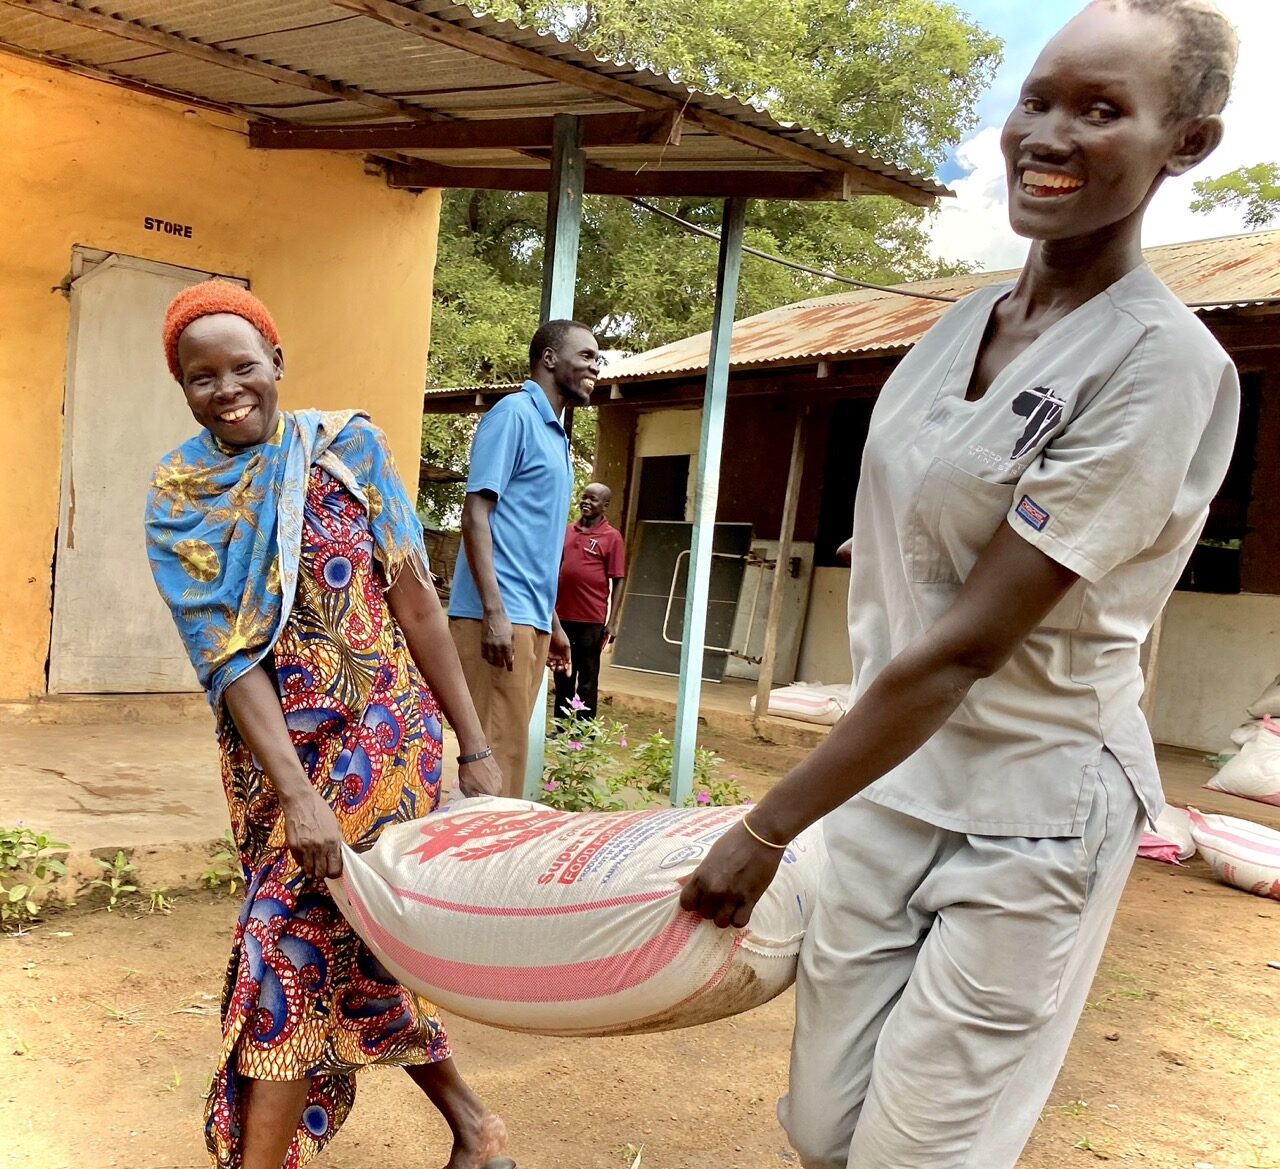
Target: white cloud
974,226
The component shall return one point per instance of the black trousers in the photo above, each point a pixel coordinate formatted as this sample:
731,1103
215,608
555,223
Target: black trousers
584,676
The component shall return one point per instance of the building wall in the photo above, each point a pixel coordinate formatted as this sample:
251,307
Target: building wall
824,648
344,263
1216,655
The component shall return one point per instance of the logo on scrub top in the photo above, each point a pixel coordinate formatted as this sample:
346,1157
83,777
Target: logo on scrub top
1041,408
1032,513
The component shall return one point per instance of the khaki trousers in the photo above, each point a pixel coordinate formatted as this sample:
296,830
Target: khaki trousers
503,698
940,981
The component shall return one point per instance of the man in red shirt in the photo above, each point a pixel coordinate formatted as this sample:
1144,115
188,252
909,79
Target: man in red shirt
589,597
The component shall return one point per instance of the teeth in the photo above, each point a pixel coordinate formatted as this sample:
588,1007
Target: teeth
236,415
1033,178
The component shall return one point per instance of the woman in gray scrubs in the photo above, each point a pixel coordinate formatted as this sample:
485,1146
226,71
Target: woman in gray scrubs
1037,472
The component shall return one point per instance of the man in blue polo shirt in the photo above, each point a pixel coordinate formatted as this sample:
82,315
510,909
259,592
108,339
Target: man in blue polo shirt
502,606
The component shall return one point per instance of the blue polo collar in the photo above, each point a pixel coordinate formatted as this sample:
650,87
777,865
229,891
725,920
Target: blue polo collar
534,390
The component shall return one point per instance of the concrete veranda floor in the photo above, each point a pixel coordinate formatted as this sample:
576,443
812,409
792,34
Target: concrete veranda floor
141,774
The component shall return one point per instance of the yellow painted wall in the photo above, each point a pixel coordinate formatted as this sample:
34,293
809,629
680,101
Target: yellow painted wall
344,263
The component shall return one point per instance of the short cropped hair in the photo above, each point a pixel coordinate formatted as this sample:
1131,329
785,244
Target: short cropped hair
551,335
1204,55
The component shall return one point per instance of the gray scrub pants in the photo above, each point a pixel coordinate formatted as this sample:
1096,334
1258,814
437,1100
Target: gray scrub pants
940,982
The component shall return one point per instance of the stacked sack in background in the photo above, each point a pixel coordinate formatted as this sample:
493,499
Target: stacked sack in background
568,923
1240,852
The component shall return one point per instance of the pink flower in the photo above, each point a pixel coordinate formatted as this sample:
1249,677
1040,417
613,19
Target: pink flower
574,745
576,703
550,786
622,742
704,798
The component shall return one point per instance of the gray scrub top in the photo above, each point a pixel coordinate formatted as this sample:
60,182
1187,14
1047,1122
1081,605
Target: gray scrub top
1102,444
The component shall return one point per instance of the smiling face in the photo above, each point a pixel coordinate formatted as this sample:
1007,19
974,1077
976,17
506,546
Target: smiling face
576,366
594,501
229,376
1091,137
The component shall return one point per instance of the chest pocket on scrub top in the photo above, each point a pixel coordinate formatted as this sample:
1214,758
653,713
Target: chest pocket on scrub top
953,517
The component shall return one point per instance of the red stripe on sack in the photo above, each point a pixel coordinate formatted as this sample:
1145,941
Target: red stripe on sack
1259,844
592,979
538,911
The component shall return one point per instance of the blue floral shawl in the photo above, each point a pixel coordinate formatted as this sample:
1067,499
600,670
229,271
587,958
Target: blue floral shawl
224,531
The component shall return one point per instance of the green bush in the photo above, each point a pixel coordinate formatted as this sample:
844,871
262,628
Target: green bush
590,769
26,871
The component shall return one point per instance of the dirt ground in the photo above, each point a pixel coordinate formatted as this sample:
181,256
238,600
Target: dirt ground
109,1022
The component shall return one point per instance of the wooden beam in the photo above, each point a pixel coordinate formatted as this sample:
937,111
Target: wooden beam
639,129
749,184
861,179
489,48
517,57
790,508
1238,336
145,34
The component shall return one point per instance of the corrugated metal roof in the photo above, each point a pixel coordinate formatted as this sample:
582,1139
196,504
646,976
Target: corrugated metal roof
1213,273
329,41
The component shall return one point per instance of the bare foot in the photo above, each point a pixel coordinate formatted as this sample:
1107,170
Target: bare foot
482,1146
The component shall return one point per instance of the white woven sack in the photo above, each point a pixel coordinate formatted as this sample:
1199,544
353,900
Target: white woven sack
1246,731
1268,702
1171,840
805,702
568,923
1254,773
1241,853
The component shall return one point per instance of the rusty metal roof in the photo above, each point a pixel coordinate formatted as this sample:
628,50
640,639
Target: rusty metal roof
1207,274
385,62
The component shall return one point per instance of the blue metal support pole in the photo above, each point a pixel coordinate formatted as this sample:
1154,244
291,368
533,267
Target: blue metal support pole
559,276
698,588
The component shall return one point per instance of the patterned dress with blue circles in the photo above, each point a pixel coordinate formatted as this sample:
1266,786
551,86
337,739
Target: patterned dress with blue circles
303,995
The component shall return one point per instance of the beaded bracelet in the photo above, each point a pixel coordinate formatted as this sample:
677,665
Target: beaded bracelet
476,757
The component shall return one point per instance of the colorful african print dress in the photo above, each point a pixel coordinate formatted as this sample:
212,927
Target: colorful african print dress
303,995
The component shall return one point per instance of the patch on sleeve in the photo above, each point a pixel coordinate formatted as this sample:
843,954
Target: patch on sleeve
1032,513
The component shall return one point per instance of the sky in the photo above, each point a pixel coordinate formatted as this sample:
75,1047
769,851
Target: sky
974,225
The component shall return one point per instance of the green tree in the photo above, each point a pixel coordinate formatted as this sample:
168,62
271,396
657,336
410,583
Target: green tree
899,78
1253,190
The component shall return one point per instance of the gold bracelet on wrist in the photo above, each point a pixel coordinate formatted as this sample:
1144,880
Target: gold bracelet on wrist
756,835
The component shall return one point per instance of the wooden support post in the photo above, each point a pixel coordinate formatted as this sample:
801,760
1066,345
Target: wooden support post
559,275
698,588
789,508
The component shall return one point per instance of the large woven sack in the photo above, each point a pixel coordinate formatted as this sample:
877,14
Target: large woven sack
568,923
1241,853
1254,773
1170,841
807,702
1268,702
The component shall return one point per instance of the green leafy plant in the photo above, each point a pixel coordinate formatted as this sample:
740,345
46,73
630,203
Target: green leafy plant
580,762
589,769
117,879
27,869
159,901
224,867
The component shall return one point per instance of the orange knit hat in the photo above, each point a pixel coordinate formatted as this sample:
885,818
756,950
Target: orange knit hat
206,299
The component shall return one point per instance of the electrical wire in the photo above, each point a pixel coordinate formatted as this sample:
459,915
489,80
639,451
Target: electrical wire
825,275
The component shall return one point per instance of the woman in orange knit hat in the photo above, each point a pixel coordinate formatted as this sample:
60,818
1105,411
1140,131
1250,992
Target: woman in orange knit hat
293,563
